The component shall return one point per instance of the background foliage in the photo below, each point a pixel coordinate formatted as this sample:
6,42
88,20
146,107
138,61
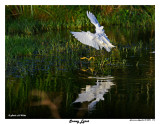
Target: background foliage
29,19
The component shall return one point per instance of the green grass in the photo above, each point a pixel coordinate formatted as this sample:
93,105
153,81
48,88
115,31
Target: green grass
37,19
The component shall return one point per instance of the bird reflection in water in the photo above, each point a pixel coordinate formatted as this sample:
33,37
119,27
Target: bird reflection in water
94,93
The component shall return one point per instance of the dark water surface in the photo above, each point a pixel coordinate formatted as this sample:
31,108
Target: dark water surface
60,84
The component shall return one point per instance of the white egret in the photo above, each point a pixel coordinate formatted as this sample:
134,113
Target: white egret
96,40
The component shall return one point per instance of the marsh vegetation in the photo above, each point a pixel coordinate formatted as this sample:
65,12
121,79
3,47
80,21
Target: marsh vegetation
46,67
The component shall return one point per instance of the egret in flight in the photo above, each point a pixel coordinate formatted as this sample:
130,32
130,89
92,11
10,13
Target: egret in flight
96,40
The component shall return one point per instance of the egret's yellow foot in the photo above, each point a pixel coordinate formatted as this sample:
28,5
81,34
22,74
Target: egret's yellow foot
84,58
90,58
93,58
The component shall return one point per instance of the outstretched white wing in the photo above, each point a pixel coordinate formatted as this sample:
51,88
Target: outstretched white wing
93,19
99,29
86,38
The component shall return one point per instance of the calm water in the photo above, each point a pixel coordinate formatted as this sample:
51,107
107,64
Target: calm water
62,85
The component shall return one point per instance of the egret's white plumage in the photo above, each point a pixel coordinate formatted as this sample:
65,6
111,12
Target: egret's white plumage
96,40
